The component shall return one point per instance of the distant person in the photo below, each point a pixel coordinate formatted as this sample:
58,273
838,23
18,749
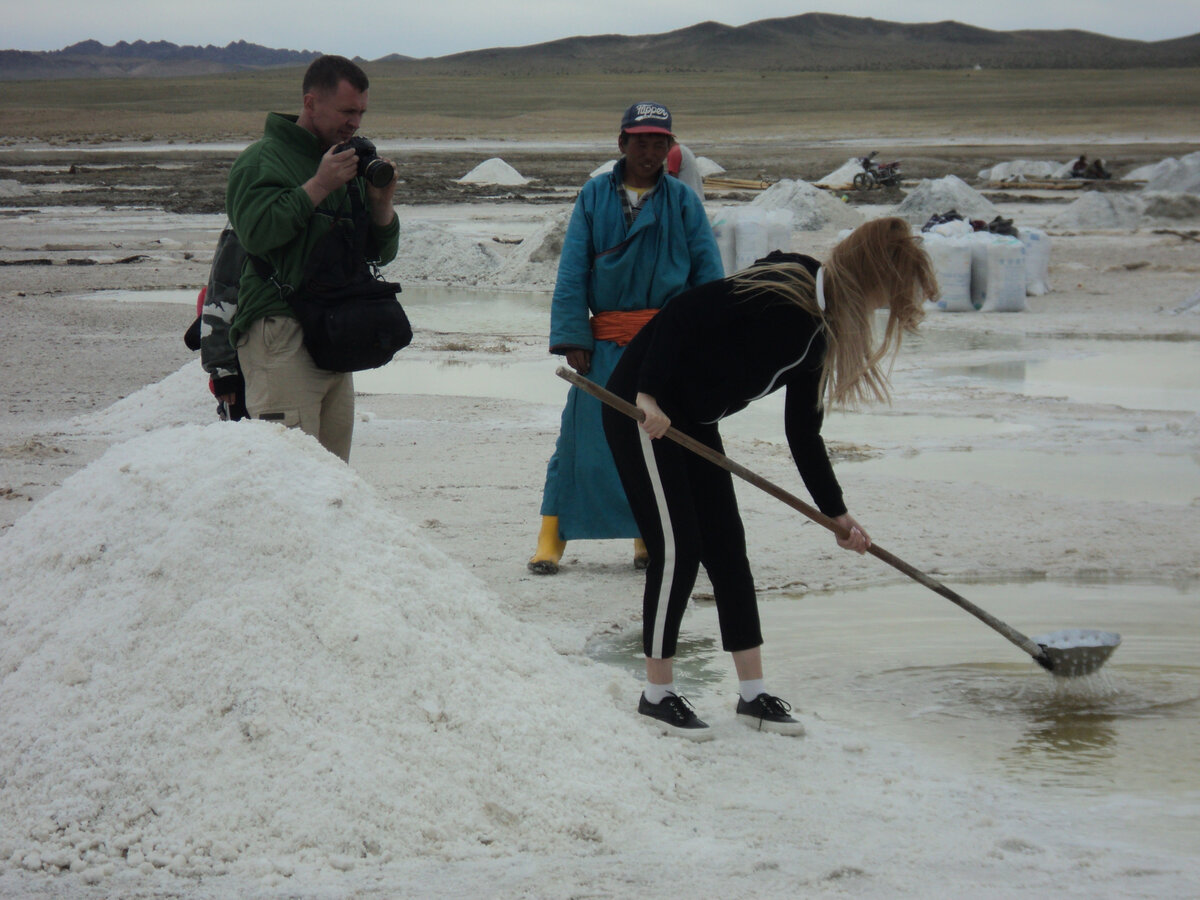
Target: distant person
1080,166
636,238
681,162
787,322
1096,171
298,205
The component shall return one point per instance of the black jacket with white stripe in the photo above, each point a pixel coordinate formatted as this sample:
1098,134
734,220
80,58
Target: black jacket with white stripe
710,353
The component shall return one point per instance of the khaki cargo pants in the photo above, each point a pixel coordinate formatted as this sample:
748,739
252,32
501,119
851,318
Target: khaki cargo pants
284,385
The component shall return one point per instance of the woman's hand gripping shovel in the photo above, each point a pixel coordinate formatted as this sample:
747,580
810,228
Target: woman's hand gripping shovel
1067,654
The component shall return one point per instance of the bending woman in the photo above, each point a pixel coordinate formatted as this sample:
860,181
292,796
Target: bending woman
787,322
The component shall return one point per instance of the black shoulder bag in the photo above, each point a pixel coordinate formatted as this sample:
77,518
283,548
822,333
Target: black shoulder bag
350,317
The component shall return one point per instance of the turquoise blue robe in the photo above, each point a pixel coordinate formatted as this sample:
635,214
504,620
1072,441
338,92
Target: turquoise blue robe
608,265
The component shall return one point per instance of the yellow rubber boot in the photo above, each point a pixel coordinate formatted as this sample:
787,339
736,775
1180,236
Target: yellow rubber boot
550,548
641,556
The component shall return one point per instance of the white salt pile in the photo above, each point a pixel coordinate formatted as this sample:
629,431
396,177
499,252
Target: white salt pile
842,178
1099,211
1176,175
224,654
1190,305
533,264
429,252
935,196
1145,173
1020,170
1171,205
812,208
602,168
493,171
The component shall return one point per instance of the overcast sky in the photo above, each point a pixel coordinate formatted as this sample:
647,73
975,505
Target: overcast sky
374,28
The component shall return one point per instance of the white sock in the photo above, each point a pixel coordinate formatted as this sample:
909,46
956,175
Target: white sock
751,688
656,693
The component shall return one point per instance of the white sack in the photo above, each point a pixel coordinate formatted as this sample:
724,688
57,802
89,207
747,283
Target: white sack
722,227
779,230
750,237
951,258
1037,261
997,272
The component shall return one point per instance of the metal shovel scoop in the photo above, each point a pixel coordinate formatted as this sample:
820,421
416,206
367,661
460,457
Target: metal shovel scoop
1077,651
1067,654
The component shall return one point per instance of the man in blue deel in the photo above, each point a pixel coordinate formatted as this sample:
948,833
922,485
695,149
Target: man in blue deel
637,237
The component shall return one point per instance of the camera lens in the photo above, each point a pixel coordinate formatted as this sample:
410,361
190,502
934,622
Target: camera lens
378,173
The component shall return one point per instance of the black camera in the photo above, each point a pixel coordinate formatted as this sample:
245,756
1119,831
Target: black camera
377,172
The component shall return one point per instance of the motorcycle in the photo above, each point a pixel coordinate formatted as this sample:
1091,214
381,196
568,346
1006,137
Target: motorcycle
876,174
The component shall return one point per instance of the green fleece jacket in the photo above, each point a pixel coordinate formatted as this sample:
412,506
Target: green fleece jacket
275,219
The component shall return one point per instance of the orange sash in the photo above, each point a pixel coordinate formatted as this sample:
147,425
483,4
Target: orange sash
620,325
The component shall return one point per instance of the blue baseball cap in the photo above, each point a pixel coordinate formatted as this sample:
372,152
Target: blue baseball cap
646,117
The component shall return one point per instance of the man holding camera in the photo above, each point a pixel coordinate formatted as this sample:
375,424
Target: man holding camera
287,192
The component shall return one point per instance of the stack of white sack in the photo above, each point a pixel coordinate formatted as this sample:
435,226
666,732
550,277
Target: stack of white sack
978,270
745,234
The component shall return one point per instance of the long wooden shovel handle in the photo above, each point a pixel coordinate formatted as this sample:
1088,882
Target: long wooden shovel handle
621,405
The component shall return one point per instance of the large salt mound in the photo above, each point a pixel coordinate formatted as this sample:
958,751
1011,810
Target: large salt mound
935,196
812,208
1100,211
1170,206
493,171
429,252
602,168
223,652
843,177
1020,169
1145,173
533,265
1176,176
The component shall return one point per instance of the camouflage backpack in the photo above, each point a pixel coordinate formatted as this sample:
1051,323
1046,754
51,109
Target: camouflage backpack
217,355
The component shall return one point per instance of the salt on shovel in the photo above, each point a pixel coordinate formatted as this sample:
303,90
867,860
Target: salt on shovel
1067,654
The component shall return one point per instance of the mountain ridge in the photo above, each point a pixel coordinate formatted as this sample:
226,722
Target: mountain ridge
808,42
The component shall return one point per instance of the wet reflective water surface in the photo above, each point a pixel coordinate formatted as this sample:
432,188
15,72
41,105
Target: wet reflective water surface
476,344
899,662
1132,374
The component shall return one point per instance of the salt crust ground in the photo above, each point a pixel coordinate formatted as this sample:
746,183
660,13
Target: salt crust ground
446,491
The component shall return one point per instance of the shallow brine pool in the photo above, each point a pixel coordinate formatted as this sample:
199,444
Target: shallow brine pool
1135,375
899,662
467,347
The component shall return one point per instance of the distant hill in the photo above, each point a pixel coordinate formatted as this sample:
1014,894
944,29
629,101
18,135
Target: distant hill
809,42
144,59
822,42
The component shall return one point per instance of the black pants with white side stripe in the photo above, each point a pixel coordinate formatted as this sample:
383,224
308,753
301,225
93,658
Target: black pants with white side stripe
687,512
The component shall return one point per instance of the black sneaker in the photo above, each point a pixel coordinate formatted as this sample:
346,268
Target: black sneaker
767,713
674,715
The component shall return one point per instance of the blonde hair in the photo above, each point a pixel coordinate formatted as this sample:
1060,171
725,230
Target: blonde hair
879,263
